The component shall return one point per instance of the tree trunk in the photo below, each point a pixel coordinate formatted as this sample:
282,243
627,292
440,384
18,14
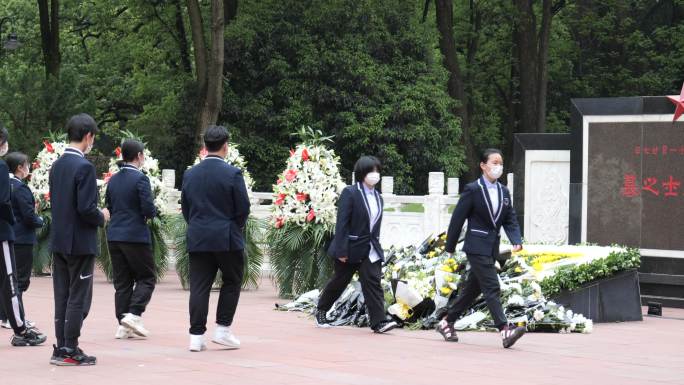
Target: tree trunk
208,64
49,32
182,38
455,85
525,40
542,65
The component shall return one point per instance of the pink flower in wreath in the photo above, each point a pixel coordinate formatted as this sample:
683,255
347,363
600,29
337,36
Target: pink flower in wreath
279,201
290,175
305,155
48,146
311,216
280,222
302,197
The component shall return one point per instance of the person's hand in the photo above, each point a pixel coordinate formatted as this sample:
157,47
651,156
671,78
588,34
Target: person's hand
517,248
343,259
105,213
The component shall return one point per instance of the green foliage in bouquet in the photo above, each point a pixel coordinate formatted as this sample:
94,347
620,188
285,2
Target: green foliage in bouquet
299,259
254,257
42,258
571,277
159,228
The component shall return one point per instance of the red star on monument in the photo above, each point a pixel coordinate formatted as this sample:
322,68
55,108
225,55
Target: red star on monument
679,103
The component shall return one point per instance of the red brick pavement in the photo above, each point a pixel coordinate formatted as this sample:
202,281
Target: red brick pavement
286,348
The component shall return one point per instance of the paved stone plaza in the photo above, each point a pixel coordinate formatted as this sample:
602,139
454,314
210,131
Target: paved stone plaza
285,348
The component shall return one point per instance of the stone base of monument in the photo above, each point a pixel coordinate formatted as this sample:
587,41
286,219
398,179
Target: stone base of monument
614,299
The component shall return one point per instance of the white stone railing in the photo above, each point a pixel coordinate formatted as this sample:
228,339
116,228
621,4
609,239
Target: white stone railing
407,220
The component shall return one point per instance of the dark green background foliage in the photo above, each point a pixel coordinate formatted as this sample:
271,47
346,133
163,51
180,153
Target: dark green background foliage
367,71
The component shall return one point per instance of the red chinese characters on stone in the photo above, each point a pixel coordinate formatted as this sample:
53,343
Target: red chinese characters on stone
629,188
671,186
650,186
668,187
655,150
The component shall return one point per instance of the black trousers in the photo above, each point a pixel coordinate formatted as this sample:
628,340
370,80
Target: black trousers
23,258
369,275
484,280
72,279
134,277
203,269
10,295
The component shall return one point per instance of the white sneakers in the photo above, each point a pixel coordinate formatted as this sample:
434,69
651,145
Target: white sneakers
135,324
222,336
123,333
197,343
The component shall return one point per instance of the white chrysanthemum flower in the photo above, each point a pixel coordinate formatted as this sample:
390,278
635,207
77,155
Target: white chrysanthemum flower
538,315
515,299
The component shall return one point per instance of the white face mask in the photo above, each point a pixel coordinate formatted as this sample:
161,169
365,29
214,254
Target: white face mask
496,171
372,178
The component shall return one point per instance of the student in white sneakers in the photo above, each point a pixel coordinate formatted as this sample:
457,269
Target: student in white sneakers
131,204
215,206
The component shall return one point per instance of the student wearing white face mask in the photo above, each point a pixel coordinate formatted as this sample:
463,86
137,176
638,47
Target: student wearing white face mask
356,246
487,206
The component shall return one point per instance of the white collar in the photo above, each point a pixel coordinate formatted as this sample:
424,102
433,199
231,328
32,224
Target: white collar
74,151
215,157
130,167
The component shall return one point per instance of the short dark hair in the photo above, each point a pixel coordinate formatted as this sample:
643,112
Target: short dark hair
215,137
364,166
16,159
79,126
130,149
484,157
4,135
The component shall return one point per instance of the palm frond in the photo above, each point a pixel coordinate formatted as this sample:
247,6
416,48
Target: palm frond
42,258
103,259
254,256
298,258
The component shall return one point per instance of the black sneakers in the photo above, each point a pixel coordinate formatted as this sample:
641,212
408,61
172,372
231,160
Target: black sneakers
71,357
31,337
384,326
447,331
55,355
511,334
322,319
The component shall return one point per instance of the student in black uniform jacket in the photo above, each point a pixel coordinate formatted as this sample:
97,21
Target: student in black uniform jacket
131,204
215,205
73,239
487,206
10,295
356,246
27,221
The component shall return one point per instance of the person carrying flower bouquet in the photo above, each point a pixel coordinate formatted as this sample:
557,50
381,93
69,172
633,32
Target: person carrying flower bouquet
356,246
487,206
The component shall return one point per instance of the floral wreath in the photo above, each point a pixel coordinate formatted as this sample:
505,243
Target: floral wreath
40,174
306,192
